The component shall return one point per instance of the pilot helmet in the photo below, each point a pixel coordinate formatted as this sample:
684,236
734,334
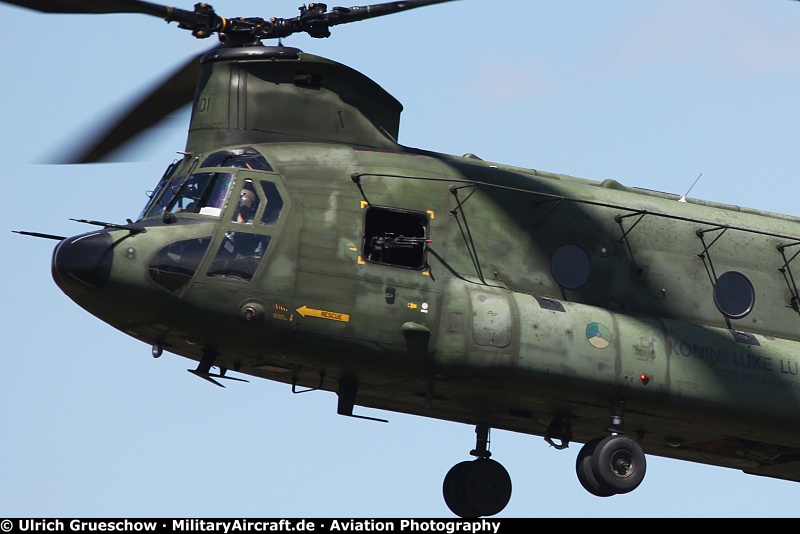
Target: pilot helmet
247,199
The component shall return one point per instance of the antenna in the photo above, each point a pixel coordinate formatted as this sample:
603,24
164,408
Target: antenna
683,198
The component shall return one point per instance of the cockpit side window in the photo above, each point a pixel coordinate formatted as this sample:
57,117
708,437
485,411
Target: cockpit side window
238,256
242,249
247,205
242,158
272,210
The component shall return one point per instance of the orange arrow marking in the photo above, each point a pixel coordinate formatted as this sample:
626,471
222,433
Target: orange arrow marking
305,311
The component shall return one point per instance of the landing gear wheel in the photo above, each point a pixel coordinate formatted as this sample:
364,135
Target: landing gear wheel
618,463
477,488
451,490
583,467
486,487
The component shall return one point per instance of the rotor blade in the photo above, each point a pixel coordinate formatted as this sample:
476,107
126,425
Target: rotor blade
202,21
92,6
315,22
172,94
343,15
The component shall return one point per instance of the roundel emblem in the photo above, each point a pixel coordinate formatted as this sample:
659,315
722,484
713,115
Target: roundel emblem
598,335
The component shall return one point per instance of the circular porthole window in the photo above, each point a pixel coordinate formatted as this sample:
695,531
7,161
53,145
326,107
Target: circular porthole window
734,295
570,266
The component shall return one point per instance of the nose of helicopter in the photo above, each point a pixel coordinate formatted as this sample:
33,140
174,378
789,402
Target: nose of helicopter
82,263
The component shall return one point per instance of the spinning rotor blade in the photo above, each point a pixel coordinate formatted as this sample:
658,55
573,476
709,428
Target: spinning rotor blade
172,94
178,90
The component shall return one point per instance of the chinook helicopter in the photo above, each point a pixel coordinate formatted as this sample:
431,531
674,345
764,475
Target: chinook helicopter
412,250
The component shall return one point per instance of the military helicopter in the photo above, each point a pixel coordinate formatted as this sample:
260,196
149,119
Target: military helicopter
569,294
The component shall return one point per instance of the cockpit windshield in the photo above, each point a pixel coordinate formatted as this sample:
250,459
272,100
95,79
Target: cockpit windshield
202,193
155,196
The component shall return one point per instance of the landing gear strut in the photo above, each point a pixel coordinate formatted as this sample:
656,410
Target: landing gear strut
611,465
480,487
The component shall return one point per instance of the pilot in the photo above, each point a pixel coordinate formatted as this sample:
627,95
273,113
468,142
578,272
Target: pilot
246,209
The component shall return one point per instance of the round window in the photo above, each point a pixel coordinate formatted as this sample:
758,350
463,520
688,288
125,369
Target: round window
734,295
570,266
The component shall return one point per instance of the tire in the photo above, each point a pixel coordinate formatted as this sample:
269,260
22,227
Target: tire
583,467
486,487
453,482
618,463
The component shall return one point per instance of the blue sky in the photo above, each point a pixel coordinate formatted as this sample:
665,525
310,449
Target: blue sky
648,93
